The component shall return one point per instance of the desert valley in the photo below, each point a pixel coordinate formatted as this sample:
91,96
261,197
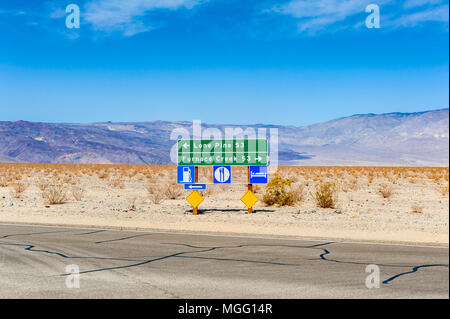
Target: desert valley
395,204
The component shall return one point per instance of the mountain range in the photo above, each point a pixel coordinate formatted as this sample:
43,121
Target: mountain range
406,139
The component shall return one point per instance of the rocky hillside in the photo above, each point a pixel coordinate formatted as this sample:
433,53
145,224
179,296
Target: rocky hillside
369,139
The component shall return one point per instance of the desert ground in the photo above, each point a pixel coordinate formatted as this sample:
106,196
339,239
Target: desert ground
382,204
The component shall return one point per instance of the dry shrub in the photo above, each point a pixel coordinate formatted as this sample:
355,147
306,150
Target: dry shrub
156,193
325,195
55,194
68,179
278,192
417,209
173,191
386,190
116,183
206,192
443,190
298,192
391,179
256,188
131,173
353,184
42,184
140,177
4,182
132,201
103,174
17,188
77,193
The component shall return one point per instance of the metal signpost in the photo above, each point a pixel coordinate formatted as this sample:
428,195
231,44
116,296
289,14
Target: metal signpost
221,154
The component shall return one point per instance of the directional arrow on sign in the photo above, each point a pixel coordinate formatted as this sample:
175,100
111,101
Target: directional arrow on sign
194,186
220,152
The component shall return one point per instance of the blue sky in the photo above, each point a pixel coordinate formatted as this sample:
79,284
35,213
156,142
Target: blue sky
291,62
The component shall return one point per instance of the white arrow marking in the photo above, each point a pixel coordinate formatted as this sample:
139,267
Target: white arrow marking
194,186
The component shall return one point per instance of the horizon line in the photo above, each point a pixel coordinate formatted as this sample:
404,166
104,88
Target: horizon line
254,124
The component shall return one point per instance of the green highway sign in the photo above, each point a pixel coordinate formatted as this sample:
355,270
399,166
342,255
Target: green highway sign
243,152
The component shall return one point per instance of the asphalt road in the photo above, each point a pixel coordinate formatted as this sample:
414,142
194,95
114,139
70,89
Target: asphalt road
128,264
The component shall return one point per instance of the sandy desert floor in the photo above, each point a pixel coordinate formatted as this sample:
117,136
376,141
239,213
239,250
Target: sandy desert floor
414,208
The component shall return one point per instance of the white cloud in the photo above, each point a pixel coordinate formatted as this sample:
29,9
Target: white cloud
58,13
13,12
318,15
127,16
419,3
438,14
322,8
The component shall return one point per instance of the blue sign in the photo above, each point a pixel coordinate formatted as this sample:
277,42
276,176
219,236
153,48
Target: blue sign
195,186
258,175
185,174
222,174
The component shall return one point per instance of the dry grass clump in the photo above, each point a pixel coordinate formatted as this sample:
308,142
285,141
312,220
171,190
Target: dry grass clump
42,184
417,209
298,192
55,194
103,174
173,191
443,190
66,179
294,178
156,193
77,193
4,181
132,201
206,192
256,188
116,183
325,195
353,183
386,190
17,188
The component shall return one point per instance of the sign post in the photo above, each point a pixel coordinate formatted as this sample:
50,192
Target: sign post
250,188
222,154
195,209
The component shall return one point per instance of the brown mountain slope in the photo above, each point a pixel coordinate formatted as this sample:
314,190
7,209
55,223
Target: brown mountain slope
370,139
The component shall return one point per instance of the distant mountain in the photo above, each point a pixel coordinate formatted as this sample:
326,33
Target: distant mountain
416,139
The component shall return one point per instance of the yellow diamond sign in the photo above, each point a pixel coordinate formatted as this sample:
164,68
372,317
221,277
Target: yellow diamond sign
194,199
249,199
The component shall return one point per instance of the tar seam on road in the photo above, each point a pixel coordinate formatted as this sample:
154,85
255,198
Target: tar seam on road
229,236
206,249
